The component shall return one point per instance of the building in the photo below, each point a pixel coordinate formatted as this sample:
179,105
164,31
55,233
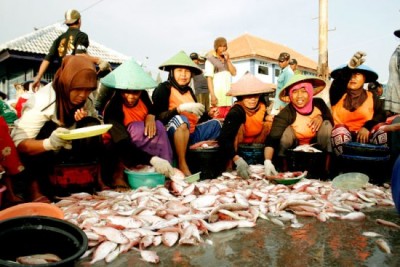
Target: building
20,58
259,57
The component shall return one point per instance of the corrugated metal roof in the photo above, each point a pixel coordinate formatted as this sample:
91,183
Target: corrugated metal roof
40,41
248,46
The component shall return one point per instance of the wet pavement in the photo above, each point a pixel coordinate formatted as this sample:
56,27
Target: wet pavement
332,243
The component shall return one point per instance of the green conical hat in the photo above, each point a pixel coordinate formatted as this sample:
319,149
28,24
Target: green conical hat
181,60
129,76
317,83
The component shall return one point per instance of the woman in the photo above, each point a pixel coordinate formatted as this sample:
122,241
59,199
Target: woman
356,111
176,106
305,120
246,122
64,104
136,137
219,71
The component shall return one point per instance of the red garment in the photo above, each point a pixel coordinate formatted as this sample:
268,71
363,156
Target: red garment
9,158
136,113
18,106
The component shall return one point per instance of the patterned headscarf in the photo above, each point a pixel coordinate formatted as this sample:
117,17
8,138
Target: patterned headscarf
76,72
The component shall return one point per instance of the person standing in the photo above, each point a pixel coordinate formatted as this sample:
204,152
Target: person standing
71,42
200,82
283,78
293,65
219,71
392,94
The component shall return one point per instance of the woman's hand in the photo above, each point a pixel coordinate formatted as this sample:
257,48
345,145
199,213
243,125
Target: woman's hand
80,114
213,112
315,123
150,129
363,135
214,101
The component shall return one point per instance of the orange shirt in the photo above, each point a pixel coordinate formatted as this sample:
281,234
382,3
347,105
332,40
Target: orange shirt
254,124
354,120
304,133
176,98
136,113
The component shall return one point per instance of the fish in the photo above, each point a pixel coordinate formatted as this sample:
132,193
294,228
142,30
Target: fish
103,250
38,259
149,256
387,223
371,234
383,245
354,216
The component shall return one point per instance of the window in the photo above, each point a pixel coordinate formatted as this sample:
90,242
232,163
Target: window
277,72
263,70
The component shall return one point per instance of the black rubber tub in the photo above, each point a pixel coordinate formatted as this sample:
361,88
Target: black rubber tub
25,236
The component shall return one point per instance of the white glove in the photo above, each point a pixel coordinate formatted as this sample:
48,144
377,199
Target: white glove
104,65
56,143
162,166
357,59
242,168
196,108
269,168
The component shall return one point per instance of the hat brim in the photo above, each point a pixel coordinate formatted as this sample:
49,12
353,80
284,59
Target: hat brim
193,70
397,33
318,86
370,75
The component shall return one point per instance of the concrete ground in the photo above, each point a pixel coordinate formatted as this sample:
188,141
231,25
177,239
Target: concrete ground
332,243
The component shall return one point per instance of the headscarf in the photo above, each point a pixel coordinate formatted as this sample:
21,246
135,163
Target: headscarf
181,88
354,98
309,88
75,72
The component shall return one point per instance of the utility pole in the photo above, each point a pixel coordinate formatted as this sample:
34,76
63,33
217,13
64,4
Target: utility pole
322,70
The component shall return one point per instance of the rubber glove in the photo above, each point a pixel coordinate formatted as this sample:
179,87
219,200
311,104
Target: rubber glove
269,168
162,166
242,168
357,59
196,108
104,65
56,143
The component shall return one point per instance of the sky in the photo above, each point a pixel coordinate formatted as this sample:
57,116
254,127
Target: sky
152,31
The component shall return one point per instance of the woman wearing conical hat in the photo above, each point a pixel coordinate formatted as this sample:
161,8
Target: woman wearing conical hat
246,122
305,120
136,138
357,112
176,106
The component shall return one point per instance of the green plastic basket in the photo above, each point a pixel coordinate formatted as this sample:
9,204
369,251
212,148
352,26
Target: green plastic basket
149,179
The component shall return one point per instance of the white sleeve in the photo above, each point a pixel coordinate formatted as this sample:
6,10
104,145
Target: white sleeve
208,69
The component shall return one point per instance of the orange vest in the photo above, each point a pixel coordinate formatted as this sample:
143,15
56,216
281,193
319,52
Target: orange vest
304,133
176,98
136,113
354,120
254,124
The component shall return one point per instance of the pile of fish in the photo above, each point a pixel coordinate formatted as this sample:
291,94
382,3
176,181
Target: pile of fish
181,212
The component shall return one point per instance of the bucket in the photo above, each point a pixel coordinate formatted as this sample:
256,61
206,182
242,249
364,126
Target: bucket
396,184
207,161
32,209
252,153
25,236
312,162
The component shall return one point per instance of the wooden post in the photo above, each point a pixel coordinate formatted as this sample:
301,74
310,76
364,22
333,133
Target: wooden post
322,70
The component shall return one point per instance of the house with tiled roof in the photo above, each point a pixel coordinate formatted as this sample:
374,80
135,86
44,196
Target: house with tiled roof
20,58
260,58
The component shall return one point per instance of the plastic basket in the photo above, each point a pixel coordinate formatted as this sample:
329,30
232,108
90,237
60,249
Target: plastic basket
149,179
